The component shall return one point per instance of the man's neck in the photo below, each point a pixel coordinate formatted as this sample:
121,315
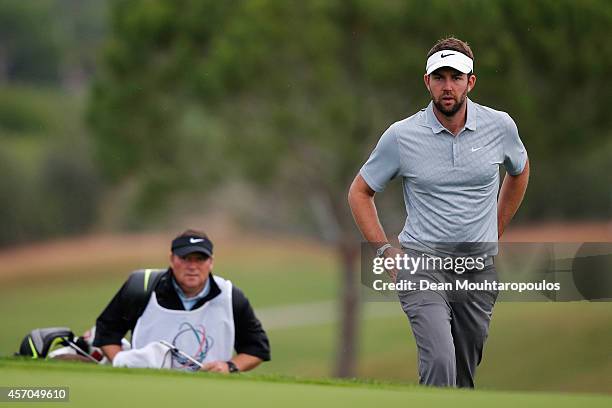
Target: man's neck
189,293
453,123
192,292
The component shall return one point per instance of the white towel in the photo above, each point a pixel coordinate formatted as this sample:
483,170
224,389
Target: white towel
153,355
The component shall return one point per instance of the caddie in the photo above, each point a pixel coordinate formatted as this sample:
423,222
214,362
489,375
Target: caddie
201,314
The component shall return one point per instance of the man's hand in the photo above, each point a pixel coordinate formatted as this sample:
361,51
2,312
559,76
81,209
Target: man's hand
244,362
111,350
216,367
392,253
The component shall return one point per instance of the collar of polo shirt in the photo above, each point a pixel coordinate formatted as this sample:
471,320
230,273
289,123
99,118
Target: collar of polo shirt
430,120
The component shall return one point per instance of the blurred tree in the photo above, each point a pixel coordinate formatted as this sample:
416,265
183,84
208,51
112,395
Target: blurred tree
294,94
49,186
29,42
50,41
82,29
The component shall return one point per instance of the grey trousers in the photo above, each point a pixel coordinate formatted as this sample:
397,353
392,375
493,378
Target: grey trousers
450,328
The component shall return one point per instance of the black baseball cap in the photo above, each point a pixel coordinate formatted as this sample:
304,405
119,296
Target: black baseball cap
190,242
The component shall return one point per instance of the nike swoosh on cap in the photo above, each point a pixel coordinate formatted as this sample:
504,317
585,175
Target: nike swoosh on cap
444,56
195,240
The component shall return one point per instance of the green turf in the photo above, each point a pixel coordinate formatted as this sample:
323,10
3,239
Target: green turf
75,300
93,386
533,346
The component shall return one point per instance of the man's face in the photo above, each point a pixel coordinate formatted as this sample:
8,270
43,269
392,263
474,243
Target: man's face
449,88
191,271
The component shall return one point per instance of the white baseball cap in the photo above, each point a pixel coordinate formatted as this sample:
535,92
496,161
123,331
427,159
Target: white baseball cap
449,58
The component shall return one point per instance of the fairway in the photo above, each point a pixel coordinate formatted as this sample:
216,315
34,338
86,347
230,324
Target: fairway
93,386
334,203
549,347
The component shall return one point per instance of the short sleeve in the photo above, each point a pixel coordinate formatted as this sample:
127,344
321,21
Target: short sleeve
384,162
515,155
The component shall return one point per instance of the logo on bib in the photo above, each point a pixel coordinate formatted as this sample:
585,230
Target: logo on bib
194,341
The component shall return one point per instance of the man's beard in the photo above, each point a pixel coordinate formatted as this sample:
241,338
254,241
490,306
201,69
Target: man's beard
449,112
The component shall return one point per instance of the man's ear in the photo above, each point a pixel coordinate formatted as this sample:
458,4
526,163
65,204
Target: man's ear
471,82
426,80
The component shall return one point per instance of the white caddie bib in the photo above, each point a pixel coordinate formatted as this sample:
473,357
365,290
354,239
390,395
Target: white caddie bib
205,333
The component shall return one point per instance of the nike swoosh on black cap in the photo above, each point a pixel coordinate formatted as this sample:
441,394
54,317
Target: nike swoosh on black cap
186,245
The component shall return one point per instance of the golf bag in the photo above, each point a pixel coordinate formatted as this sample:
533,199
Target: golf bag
40,342
61,342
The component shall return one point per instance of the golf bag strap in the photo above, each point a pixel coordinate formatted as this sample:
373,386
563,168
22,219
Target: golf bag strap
138,289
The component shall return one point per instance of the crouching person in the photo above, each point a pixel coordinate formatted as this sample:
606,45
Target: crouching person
182,314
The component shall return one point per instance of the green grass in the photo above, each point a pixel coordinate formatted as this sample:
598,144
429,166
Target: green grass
531,346
75,298
94,386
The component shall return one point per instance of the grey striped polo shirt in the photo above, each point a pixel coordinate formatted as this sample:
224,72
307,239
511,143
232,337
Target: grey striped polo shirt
450,182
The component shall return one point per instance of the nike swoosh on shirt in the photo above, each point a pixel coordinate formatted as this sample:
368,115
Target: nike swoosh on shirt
475,149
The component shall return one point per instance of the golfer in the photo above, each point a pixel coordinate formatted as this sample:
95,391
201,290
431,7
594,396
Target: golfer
447,156
199,313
